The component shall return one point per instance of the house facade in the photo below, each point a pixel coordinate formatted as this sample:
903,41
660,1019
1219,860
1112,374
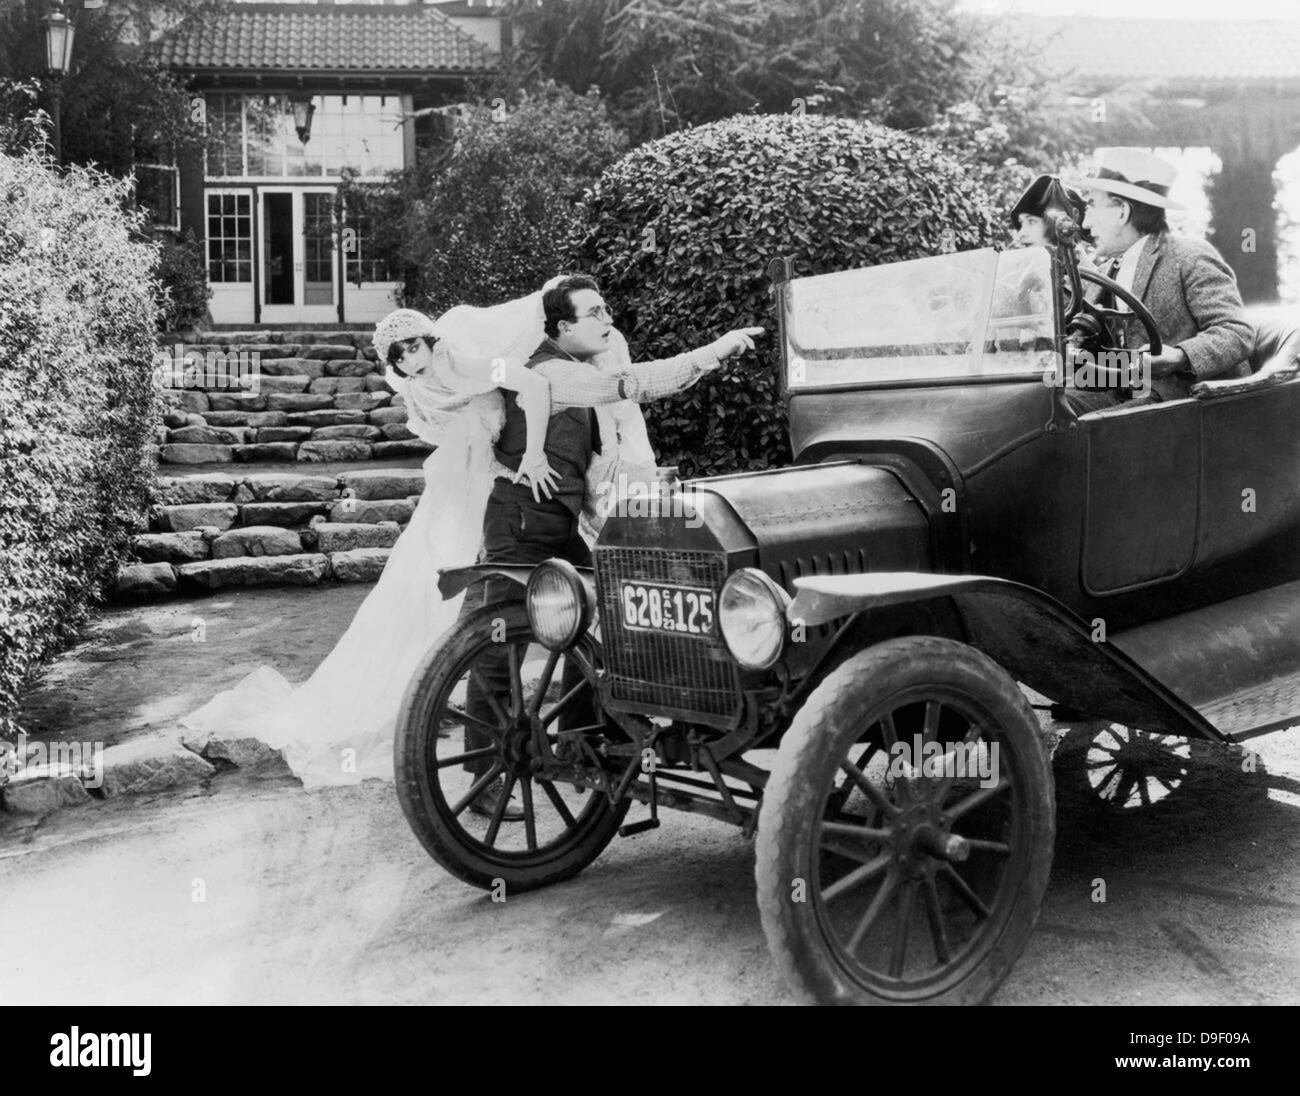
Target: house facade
292,94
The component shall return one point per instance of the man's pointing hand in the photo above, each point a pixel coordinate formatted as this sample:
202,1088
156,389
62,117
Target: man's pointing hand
735,342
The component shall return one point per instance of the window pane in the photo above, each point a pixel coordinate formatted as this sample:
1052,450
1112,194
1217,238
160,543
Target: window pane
360,264
265,115
229,239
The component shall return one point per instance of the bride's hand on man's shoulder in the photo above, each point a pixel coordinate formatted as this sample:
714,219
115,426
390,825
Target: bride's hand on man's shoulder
735,342
541,477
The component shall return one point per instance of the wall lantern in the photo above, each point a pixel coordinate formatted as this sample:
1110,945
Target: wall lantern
303,108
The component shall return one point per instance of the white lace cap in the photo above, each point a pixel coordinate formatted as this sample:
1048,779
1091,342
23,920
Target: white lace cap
404,323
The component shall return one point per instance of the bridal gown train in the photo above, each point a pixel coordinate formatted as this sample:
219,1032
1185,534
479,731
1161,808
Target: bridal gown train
338,726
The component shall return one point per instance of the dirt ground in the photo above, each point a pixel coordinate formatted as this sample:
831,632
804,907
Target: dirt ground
249,890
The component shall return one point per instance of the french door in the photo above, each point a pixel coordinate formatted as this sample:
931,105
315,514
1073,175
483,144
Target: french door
229,213
298,264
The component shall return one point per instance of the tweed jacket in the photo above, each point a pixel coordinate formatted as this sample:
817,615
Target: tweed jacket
1192,295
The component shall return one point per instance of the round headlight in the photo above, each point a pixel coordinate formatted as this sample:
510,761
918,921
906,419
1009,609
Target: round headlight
751,613
559,608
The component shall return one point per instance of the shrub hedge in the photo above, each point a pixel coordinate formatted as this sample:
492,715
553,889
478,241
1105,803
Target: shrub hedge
681,230
77,403
183,290
491,217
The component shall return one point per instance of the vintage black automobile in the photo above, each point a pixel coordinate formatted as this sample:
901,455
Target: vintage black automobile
841,655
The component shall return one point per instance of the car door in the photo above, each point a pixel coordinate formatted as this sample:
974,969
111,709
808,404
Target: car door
1142,495
1250,496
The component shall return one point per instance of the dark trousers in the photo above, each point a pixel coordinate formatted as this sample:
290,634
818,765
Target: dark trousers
515,530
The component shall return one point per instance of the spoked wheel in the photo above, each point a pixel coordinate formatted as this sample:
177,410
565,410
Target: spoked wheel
1124,771
470,719
888,878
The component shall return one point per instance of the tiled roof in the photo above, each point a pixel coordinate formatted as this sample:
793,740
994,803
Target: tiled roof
468,7
315,38
1168,50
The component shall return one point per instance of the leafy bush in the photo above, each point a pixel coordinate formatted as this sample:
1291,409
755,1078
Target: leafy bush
183,289
490,218
77,403
681,230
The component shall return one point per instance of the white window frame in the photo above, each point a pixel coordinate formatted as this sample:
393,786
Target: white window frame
174,170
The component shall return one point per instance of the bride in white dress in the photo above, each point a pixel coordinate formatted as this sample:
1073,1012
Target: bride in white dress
337,727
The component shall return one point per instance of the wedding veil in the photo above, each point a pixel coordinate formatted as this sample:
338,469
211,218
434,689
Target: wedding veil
337,727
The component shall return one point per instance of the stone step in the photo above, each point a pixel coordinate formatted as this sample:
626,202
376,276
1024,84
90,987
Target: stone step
307,437
195,515
284,419
283,514
319,345
352,515
258,540
358,337
350,510
291,486
142,580
319,534
293,468
304,569
331,536
287,459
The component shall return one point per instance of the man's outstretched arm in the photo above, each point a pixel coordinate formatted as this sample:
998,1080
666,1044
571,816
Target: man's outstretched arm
579,384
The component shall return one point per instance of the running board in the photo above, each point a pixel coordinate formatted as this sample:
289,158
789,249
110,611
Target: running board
1272,706
1250,642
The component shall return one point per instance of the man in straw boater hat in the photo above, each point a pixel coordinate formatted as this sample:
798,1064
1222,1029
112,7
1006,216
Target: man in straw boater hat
1184,282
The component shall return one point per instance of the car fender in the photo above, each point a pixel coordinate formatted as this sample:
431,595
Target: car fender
1037,639
454,580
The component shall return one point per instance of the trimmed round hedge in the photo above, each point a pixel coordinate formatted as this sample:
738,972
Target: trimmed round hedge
77,403
680,232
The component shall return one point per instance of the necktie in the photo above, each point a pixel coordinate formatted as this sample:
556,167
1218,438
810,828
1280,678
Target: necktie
1107,298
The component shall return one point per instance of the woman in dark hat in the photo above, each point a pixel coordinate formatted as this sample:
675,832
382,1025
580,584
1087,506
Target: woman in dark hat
1045,195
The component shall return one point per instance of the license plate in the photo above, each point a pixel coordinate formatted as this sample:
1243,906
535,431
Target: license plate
680,610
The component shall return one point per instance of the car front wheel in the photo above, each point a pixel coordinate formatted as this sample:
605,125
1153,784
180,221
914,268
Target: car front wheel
905,835
486,711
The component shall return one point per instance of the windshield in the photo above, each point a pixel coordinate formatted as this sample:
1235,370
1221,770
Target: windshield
951,317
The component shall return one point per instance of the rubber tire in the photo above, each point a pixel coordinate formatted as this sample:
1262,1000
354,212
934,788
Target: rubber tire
441,836
829,722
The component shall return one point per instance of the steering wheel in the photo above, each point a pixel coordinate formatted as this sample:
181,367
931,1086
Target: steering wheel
1103,314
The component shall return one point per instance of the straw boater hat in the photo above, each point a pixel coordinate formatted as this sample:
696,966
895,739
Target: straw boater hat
1135,174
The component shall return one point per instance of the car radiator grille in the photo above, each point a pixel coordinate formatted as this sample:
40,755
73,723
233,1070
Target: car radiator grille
688,673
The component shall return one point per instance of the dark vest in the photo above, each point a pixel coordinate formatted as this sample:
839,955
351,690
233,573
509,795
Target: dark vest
568,439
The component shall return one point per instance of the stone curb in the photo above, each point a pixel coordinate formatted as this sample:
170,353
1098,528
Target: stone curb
142,766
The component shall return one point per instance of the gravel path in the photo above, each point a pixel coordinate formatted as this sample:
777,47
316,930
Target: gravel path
327,897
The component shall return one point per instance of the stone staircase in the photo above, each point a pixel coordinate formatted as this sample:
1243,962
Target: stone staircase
284,459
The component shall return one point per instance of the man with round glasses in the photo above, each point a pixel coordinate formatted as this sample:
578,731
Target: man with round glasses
520,529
